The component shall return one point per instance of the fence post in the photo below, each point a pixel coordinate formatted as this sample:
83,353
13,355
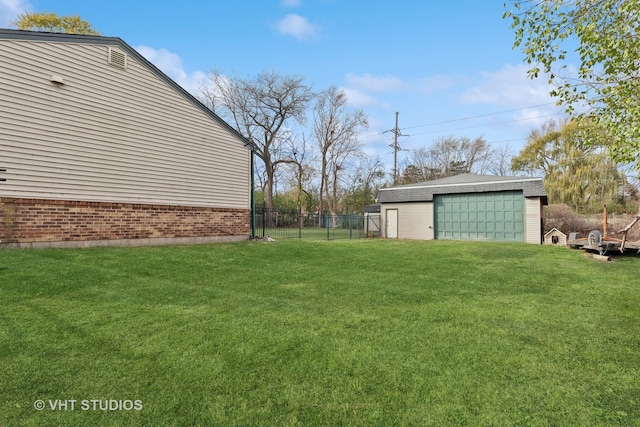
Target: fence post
326,220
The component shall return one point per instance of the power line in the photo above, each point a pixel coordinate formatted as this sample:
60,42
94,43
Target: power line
476,117
484,125
502,141
480,116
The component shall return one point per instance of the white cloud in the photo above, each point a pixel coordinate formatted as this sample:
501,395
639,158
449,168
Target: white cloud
297,26
388,83
291,3
509,86
370,83
370,91
171,64
429,85
10,9
360,99
531,114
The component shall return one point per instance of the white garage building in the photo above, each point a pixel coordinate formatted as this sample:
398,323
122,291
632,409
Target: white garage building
465,207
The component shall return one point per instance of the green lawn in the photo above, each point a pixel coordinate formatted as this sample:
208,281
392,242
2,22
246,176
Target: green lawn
317,333
313,233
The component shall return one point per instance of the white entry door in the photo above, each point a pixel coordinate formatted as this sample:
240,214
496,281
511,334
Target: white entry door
391,223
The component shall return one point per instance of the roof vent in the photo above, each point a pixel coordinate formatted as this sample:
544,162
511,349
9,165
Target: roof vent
117,58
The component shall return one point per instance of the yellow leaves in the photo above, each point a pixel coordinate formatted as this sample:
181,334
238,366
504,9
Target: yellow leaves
576,170
51,22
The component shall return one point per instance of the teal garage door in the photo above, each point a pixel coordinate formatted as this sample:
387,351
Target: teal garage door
497,216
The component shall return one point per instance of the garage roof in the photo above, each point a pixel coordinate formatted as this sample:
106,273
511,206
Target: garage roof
463,183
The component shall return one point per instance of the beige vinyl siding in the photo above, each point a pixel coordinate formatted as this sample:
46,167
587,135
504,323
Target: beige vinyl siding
415,220
109,134
533,215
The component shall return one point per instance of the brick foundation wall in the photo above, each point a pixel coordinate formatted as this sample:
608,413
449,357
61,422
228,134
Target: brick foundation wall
30,220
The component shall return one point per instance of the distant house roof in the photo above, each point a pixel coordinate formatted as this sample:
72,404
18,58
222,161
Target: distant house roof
463,183
116,41
374,208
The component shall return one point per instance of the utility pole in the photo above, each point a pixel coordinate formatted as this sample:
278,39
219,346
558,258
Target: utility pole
396,148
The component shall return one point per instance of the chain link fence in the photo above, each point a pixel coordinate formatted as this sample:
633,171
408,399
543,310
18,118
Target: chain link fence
291,224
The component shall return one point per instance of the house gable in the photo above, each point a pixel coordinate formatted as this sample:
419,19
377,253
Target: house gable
79,127
99,147
122,49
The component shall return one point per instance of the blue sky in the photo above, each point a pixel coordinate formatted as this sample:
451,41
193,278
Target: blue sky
448,68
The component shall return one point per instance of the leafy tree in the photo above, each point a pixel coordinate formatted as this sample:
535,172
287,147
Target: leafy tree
412,173
365,183
605,87
286,201
575,172
50,22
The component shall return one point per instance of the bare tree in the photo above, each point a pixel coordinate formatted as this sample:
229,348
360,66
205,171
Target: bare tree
420,166
448,156
336,131
301,153
459,155
500,163
261,109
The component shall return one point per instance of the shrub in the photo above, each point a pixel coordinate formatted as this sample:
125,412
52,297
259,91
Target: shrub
565,219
